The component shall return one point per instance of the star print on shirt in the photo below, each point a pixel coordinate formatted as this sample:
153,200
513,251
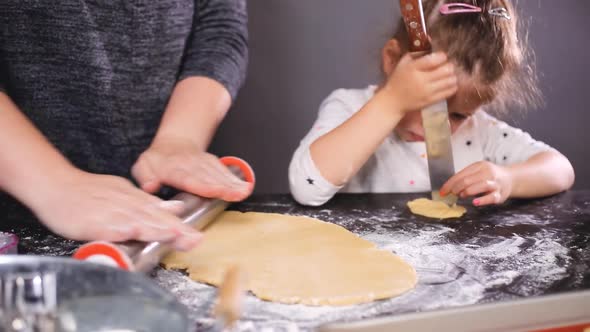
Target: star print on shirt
310,181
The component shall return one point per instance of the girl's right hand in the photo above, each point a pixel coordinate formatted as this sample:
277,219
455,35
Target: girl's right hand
417,82
89,207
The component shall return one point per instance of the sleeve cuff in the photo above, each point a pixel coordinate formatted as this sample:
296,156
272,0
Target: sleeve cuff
219,67
308,186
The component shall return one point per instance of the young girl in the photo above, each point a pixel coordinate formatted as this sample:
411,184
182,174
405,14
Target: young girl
372,140
94,93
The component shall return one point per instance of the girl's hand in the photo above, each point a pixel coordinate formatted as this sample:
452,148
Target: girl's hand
419,82
182,165
89,207
491,182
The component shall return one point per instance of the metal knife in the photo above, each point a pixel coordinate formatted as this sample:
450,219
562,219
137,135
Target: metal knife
435,118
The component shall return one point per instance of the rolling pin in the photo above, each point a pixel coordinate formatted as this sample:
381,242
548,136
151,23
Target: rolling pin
142,257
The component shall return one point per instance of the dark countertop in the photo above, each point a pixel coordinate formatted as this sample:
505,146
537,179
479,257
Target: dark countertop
564,218
520,249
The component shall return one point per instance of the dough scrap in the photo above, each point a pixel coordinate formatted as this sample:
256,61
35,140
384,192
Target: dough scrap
291,259
435,209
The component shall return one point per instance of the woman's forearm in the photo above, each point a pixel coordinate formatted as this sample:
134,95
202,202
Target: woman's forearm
29,164
195,110
544,174
339,154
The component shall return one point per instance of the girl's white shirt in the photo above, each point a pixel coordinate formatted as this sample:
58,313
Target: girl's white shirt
398,166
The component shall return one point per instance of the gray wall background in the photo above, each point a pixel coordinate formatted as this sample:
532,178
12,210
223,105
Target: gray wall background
301,50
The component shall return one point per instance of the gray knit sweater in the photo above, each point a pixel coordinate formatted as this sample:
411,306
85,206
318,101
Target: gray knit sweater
95,75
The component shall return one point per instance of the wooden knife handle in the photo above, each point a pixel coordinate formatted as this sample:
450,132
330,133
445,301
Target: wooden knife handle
413,16
231,291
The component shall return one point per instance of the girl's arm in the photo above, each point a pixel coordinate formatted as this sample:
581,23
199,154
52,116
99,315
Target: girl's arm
339,154
518,167
342,140
214,68
544,174
414,84
306,183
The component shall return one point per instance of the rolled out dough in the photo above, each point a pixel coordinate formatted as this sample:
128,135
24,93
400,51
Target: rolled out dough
292,259
435,209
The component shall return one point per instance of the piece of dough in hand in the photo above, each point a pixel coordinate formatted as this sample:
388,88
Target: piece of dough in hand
435,209
291,259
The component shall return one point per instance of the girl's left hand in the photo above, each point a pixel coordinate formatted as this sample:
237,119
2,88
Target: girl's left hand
492,183
184,166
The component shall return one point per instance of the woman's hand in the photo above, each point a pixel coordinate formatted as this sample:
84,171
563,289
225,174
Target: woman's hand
182,165
492,183
87,207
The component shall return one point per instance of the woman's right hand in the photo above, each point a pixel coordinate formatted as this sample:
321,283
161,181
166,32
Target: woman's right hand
417,82
88,206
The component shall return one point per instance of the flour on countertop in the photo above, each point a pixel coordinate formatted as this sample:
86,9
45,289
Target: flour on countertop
451,273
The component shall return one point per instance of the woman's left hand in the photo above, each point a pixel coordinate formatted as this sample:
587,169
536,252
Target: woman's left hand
492,183
182,165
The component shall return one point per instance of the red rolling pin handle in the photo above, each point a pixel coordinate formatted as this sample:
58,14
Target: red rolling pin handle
106,253
114,255
244,167
574,328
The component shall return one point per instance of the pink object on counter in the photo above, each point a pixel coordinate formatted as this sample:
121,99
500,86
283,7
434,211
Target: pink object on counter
8,244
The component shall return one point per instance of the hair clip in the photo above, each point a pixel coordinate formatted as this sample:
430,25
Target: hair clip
458,8
499,12
462,8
